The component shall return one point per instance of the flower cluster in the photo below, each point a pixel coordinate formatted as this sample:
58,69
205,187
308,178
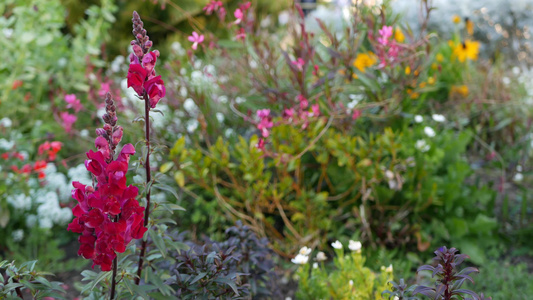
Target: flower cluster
141,73
387,48
215,6
108,216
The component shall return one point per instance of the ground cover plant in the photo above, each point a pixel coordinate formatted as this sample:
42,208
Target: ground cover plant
259,154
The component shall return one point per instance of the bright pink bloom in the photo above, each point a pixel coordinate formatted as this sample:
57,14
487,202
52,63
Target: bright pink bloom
303,102
239,15
196,39
149,60
315,108
299,63
241,34
136,76
156,90
263,113
105,88
265,123
356,114
73,102
68,120
288,113
261,144
212,6
385,33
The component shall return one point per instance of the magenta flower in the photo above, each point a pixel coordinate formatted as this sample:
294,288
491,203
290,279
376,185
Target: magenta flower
261,144
263,113
356,114
212,6
299,63
288,113
315,108
149,60
73,102
67,120
136,77
155,88
196,39
241,34
385,33
303,102
239,15
104,89
107,215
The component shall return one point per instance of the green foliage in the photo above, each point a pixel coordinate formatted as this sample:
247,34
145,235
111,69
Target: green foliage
504,280
17,280
349,279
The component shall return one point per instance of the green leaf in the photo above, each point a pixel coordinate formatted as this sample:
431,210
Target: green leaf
166,167
198,277
158,241
180,178
230,283
167,188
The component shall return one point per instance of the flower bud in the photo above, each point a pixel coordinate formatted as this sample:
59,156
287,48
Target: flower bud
117,135
137,50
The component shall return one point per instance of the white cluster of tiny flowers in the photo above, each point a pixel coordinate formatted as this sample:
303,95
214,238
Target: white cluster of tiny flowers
302,257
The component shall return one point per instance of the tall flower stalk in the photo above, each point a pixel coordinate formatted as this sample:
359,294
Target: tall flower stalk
150,88
107,215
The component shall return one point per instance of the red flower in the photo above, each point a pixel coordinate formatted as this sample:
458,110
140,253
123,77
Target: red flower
156,90
136,76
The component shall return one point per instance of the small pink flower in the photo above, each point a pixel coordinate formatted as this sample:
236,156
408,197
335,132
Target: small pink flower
196,39
385,33
356,114
315,108
104,89
149,60
299,63
155,88
303,102
241,35
68,121
239,15
261,144
73,102
263,113
212,6
288,113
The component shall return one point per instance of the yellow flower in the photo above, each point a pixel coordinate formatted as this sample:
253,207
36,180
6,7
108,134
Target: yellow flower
422,85
398,35
439,57
456,19
468,49
469,26
460,90
364,60
431,80
407,70
434,66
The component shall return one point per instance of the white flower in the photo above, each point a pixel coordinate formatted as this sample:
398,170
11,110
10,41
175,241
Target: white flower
438,118
519,168
429,131
389,174
6,122
315,265
422,145
84,133
336,245
395,298
220,117
17,235
419,119
518,177
355,246
283,17
305,251
240,100
321,256
190,106
300,259
6,145
350,282
506,80
389,269
8,32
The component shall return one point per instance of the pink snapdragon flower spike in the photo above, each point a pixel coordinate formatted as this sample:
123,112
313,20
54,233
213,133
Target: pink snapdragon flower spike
73,102
67,121
141,73
196,39
107,215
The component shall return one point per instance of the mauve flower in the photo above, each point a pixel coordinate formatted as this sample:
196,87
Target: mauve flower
149,60
73,102
136,76
68,120
156,90
196,39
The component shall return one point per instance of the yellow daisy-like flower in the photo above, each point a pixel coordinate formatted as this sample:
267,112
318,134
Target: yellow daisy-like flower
439,57
431,80
398,35
468,49
364,60
459,90
456,19
407,70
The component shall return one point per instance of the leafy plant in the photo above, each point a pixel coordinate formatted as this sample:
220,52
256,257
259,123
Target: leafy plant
18,280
